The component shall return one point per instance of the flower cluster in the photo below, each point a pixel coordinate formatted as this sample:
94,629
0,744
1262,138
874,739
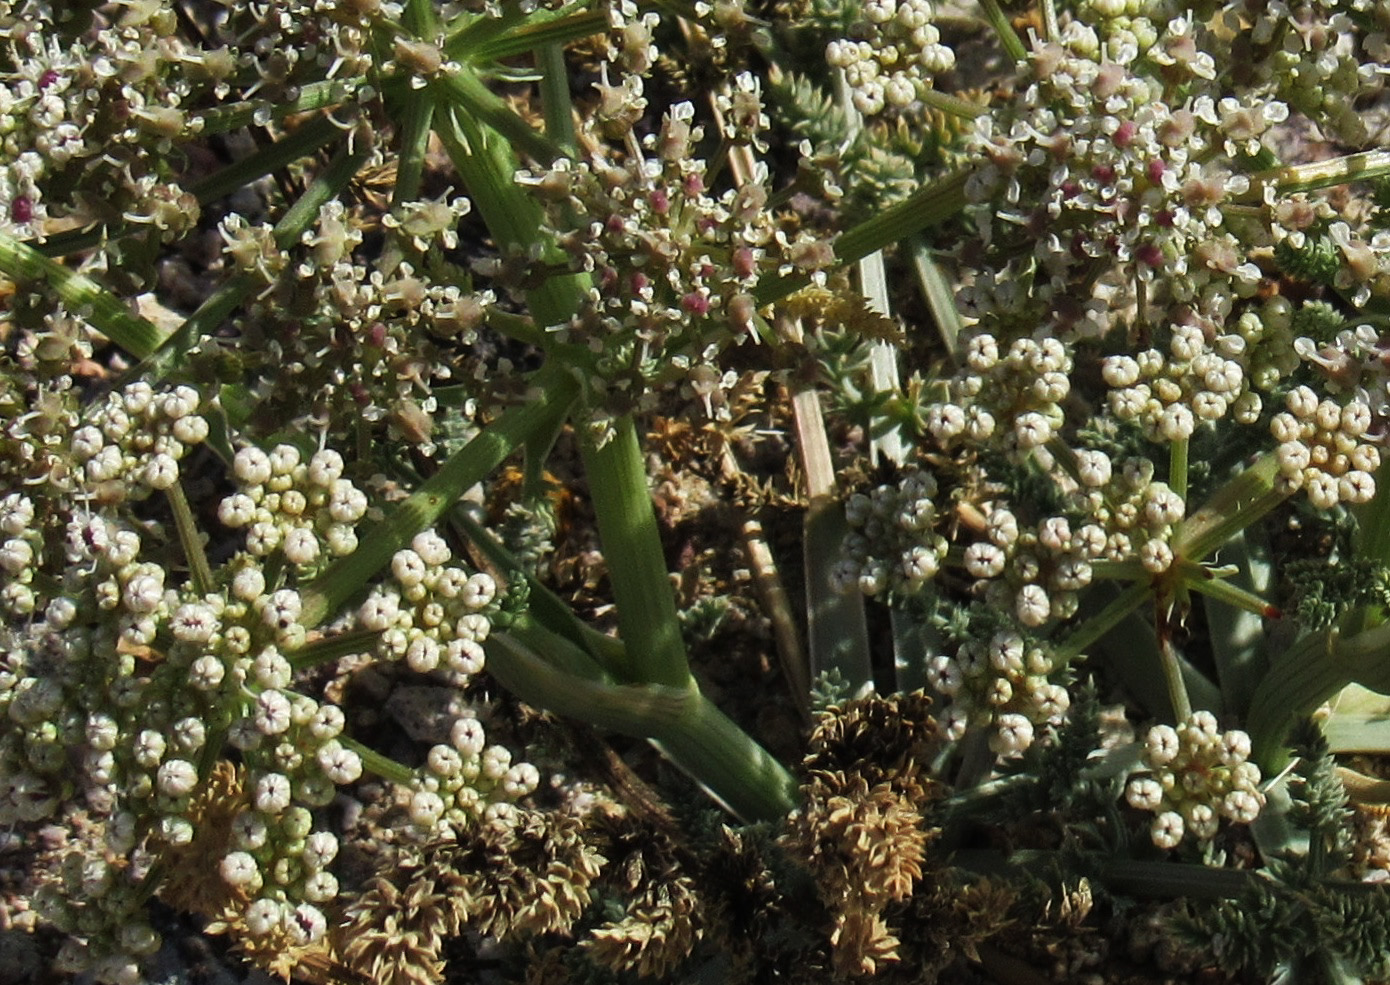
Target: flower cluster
131,444
1168,395
1136,513
892,548
1114,167
1023,387
897,57
359,344
1036,572
1005,683
1194,776
305,510
1312,54
1324,448
674,263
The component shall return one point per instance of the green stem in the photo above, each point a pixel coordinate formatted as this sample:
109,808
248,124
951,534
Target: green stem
383,766
555,94
82,296
537,36
554,390
1177,467
1173,679
200,572
1200,579
1008,37
1319,174
933,204
622,502
952,104
331,648
1242,501
1315,668
1372,541
467,92
313,96
1103,621
681,722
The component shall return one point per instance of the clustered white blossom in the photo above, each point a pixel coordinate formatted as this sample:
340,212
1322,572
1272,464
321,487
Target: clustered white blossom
122,690
1169,394
1004,684
1115,166
895,55
434,616
674,262
1135,513
304,510
1034,573
893,546
1325,449
1019,391
1194,775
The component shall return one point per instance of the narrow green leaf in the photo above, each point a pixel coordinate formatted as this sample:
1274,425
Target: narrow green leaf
82,296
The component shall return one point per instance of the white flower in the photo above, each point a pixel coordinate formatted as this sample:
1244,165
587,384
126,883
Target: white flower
1144,793
144,591
262,917
1161,745
193,622
1242,806
239,869
161,472
320,848
272,793
479,591
496,761
206,672
1013,735
272,713
1032,606
1167,830
408,568
339,764
176,778
149,748
467,737
426,808
321,887
521,780
301,546
464,656
325,468
251,466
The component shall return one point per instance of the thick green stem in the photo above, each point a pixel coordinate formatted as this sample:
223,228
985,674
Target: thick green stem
1242,501
81,295
1177,467
679,721
1008,37
933,204
635,559
1315,668
1173,679
554,391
